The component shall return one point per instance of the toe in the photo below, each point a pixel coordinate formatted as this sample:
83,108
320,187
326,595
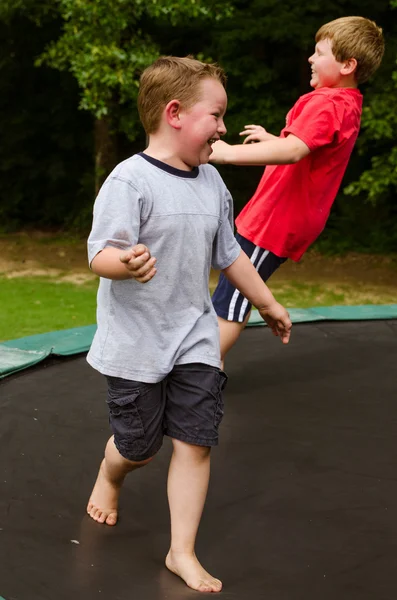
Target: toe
111,519
93,512
101,517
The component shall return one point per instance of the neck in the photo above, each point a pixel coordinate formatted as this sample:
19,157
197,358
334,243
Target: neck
348,81
163,148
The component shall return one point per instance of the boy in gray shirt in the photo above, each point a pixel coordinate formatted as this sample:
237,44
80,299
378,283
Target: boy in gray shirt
160,222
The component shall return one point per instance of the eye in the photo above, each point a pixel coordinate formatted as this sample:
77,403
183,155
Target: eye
217,115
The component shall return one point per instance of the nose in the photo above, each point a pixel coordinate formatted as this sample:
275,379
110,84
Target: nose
221,127
310,59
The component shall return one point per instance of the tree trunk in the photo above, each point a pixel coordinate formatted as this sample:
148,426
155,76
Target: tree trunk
105,151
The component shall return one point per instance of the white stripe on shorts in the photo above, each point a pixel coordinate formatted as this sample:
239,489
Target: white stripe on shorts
257,267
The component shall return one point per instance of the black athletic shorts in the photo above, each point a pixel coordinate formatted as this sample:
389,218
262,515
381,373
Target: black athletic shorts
187,405
228,302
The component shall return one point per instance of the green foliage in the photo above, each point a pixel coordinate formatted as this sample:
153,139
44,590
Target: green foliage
104,45
264,48
34,10
377,142
97,49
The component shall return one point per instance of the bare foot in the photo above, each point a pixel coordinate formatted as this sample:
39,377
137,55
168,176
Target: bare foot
103,503
188,568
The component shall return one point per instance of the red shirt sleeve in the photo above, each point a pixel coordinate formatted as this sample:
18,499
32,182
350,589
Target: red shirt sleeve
316,123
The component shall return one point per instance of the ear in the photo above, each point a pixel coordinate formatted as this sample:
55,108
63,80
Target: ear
172,113
349,66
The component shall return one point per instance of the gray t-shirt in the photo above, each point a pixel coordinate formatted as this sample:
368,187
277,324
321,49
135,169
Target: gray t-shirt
185,218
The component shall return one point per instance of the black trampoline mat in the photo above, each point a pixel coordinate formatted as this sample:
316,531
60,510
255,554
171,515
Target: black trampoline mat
303,495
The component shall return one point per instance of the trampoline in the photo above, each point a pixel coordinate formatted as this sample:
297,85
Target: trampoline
303,495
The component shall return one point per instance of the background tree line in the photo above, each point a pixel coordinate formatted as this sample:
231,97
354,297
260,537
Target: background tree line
69,80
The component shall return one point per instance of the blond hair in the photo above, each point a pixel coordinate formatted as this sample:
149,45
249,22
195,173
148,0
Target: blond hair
169,78
355,37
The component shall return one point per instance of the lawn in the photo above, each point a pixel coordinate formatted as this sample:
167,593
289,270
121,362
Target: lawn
45,283
30,305
36,305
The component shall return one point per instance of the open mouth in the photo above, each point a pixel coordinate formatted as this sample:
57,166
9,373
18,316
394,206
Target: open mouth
212,141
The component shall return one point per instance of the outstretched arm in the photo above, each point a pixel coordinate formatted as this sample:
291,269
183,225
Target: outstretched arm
243,276
274,151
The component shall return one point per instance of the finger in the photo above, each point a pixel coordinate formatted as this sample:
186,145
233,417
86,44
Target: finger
125,257
140,249
286,323
251,138
248,131
285,336
147,277
285,331
143,269
137,262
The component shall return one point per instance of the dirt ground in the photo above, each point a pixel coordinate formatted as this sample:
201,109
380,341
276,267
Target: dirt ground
40,254
34,254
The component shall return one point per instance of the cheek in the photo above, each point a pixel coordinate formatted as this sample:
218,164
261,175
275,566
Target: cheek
197,137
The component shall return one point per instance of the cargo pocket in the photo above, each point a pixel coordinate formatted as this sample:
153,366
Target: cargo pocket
219,407
126,422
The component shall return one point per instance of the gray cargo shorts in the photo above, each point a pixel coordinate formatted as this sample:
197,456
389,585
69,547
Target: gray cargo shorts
187,405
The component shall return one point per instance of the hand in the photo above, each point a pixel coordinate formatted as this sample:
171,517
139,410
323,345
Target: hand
219,152
277,317
256,133
139,262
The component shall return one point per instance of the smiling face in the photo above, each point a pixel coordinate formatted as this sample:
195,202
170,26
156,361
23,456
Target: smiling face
326,70
202,123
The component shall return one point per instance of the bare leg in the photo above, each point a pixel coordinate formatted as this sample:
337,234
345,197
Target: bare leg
188,480
103,503
230,332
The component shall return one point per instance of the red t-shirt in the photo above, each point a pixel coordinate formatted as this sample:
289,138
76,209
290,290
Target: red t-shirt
292,202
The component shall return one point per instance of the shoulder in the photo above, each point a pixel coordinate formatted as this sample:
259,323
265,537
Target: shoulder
211,173
346,103
128,169
333,96
337,102
319,97
125,185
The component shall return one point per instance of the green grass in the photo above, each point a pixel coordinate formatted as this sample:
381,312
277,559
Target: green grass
304,295
37,305
295,294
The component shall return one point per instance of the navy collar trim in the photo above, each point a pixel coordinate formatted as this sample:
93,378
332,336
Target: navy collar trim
172,170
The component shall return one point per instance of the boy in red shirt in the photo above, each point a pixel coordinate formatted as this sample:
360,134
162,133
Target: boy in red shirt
307,161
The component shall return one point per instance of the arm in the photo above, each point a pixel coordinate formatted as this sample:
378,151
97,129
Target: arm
113,248
276,151
135,263
243,276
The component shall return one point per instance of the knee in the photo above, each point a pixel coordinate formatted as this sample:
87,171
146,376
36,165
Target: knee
191,450
143,463
114,454
201,452
137,464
